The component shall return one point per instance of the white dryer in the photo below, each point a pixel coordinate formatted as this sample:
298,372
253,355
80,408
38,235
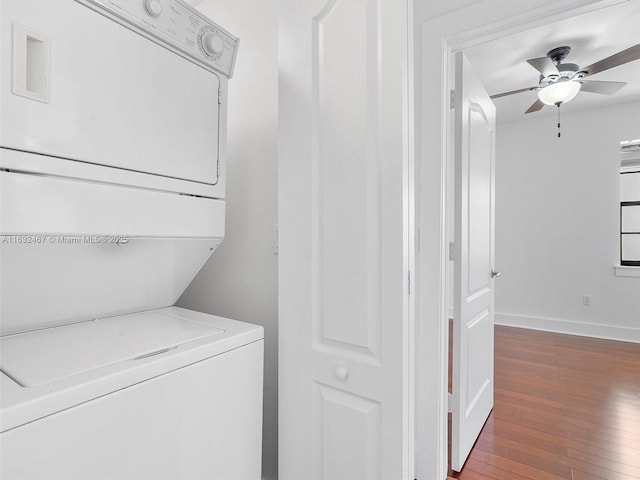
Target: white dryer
112,187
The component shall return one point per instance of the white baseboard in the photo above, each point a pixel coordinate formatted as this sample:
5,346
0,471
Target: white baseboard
569,327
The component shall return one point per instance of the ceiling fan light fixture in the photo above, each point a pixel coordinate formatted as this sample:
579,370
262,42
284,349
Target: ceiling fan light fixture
559,92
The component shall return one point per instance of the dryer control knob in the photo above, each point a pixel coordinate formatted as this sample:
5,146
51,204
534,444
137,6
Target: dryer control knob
212,44
153,8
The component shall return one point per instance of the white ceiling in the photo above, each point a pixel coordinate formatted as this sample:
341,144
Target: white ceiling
501,64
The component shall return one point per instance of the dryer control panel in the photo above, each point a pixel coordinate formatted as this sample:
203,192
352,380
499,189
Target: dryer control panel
177,26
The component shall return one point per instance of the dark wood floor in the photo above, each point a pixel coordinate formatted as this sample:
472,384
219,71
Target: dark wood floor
566,408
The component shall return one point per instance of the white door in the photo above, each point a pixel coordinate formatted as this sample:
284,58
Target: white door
473,267
343,241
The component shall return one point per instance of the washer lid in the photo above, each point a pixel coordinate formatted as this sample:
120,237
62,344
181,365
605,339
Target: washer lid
45,356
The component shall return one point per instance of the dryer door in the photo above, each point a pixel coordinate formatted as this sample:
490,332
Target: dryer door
79,86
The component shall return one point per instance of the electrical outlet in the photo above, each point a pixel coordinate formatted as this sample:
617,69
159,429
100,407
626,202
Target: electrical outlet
586,300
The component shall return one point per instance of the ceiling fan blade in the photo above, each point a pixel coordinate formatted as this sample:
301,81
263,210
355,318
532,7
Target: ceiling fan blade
537,105
605,88
504,94
620,58
544,65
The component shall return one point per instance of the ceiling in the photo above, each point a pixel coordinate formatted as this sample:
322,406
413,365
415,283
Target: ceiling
501,64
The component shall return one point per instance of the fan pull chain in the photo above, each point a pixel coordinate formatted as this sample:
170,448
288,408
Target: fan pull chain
558,105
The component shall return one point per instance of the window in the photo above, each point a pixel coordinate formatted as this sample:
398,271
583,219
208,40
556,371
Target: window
630,204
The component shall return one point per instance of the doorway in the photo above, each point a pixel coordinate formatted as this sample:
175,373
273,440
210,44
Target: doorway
455,31
558,152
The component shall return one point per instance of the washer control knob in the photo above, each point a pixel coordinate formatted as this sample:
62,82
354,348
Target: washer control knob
212,44
153,8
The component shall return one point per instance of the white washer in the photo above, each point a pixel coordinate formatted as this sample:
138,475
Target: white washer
165,394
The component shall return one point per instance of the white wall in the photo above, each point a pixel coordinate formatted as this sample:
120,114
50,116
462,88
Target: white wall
557,224
240,280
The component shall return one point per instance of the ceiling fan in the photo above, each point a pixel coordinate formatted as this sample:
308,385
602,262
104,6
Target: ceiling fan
560,82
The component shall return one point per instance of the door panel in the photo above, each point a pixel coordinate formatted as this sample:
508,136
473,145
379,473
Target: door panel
346,243
473,282
479,376
343,261
346,421
479,207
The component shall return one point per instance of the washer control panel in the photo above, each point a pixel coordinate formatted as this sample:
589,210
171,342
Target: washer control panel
177,25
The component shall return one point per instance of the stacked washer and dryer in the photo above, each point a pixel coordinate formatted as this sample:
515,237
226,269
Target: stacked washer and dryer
112,187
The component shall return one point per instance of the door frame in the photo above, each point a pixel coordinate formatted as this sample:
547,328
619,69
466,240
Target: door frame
437,38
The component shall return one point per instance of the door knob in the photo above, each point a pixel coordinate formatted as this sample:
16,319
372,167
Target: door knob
341,373
495,274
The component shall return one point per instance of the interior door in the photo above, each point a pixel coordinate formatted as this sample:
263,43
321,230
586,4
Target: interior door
472,396
343,241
